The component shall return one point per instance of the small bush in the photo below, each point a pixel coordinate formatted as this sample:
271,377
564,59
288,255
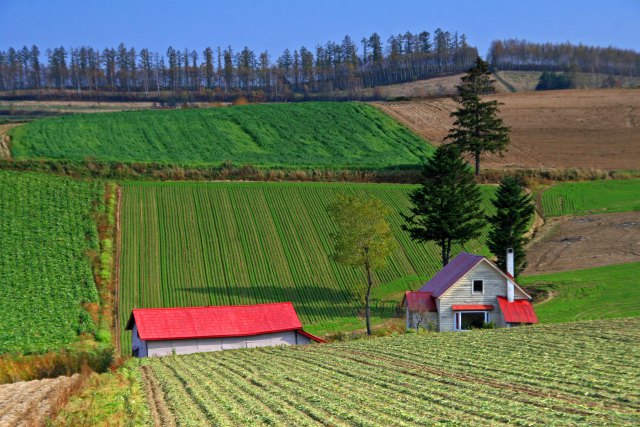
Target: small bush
553,81
103,335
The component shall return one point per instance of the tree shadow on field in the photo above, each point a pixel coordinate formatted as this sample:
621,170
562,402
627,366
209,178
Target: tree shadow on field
313,302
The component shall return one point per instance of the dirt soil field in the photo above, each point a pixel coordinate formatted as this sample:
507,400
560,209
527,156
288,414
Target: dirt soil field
432,88
75,106
569,243
5,152
593,128
30,403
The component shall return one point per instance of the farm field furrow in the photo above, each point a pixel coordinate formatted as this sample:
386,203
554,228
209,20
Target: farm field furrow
593,128
311,134
541,375
582,198
46,231
189,244
595,293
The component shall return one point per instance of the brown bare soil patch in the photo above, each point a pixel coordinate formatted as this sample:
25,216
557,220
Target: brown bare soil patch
75,106
570,243
5,149
433,87
32,403
593,128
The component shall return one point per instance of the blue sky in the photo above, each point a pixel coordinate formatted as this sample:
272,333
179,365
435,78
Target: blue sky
277,24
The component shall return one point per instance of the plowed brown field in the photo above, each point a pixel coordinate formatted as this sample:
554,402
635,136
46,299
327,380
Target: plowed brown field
593,128
569,243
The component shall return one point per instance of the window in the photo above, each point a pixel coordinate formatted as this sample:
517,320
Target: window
478,287
467,320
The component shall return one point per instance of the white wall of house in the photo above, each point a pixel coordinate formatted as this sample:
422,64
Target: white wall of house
169,347
494,285
428,320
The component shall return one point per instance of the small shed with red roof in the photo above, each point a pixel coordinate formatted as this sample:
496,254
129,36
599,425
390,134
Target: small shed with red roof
467,293
184,330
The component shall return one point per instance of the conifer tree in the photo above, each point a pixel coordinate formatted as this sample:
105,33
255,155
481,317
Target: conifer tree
447,208
477,129
514,209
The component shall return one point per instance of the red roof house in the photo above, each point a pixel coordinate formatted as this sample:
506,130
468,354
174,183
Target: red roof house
162,331
467,293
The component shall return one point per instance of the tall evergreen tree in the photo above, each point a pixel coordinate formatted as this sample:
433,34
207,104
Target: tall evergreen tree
447,206
335,66
35,66
514,209
228,68
477,129
172,56
208,67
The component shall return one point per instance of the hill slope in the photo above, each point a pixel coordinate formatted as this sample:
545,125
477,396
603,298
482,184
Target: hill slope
596,293
570,374
240,243
305,134
46,229
551,129
581,198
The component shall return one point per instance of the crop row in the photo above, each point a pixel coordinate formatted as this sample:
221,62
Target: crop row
581,373
294,135
241,243
46,230
581,198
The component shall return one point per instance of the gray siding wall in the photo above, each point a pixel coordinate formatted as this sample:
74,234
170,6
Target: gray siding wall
427,320
461,293
166,348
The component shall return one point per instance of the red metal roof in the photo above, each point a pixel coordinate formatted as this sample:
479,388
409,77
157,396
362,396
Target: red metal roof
311,336
215,322
451,273
472,307
419,301
518,311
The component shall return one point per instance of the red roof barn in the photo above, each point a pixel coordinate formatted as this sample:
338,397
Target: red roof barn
163,331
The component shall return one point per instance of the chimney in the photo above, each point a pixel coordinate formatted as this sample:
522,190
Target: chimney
510,272
510,262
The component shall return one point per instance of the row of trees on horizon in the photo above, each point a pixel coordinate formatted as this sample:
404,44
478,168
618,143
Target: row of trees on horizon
335,66
513,54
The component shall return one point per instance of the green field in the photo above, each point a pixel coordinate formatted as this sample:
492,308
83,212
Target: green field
324,134
46,229
187,244
595,293
580,198
568,374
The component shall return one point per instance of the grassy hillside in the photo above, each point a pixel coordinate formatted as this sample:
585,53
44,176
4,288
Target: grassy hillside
305,134
595,293
580,198
239,243
570,374
46,229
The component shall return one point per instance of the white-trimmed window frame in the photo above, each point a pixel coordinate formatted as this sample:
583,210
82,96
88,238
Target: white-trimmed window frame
477,293
457,318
